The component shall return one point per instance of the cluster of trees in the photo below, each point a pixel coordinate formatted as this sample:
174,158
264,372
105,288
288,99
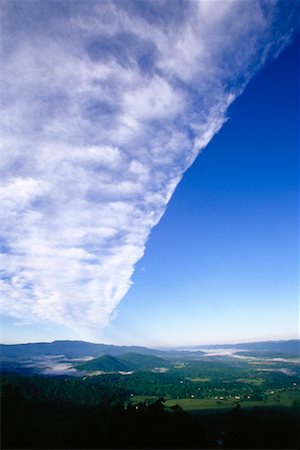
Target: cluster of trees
30,424
90,390
76,391
40,412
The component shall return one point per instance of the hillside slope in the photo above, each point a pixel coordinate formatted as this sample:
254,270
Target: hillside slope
105,363
123,363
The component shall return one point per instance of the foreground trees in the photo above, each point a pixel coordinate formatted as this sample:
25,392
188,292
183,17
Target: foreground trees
32,420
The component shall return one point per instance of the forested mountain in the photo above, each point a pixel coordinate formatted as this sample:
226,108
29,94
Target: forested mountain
124,363
105,363
138,361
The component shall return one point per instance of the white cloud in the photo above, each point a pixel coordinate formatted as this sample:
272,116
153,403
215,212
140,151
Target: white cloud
105,107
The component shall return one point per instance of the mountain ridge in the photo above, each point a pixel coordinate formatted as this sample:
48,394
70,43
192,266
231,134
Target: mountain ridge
77,349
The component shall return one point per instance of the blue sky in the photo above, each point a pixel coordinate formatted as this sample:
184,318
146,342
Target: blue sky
223,264
103,127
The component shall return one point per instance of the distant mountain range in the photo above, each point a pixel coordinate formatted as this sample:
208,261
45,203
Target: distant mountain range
291,346
81,349
70,349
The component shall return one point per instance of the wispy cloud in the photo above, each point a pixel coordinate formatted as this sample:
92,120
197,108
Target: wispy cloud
105,105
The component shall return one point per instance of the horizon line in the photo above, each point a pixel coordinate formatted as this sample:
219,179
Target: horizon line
179,347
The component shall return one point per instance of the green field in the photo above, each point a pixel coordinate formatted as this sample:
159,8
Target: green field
253,381
194,404
278,399
142,398
199,379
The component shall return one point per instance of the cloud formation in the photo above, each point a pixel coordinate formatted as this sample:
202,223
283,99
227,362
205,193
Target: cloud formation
105,105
